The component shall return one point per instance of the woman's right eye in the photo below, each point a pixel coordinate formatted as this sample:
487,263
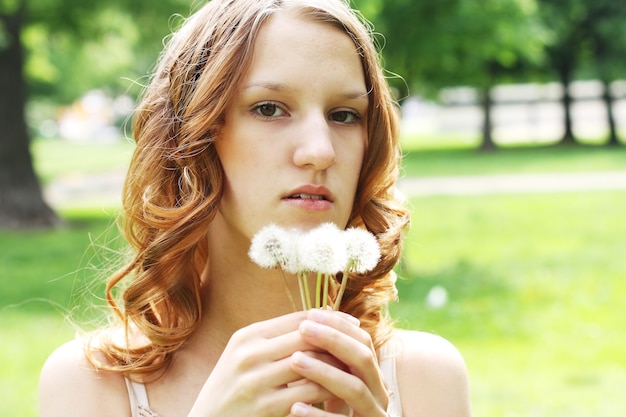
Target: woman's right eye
268,110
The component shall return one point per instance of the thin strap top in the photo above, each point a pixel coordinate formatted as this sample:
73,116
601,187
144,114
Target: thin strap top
138,396
388,353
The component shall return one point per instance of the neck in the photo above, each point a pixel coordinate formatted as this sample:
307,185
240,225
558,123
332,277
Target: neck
237,292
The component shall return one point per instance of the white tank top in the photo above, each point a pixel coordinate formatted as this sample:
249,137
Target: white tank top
140,407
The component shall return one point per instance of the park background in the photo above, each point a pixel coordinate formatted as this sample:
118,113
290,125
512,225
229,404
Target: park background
528,282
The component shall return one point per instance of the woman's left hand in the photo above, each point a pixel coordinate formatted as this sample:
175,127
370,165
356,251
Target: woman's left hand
359,387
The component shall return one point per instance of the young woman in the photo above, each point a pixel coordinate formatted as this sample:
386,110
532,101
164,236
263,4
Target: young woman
260,111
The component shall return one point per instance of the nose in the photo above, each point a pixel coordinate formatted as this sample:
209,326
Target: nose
315,148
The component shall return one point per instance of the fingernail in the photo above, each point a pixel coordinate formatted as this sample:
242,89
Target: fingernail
299,410
309,328
302,360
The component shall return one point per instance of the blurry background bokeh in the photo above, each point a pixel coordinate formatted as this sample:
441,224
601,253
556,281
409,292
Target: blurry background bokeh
513,132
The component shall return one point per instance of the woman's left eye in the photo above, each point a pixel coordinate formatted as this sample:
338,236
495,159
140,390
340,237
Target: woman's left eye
268,110
345,116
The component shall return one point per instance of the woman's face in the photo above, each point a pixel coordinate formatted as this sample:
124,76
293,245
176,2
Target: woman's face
294,137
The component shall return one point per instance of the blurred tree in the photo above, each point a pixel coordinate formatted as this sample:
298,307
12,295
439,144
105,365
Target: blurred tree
70,47
460,42
565,20
21,202
586,34
606,39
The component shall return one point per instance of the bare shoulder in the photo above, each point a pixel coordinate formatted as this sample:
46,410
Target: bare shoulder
70,385
432,376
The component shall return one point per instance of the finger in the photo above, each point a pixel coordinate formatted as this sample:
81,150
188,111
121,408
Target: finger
357,356
268,329
346,386
343,322
306,410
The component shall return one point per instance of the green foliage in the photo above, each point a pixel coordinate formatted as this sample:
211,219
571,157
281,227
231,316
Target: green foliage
74,47
8,7
459,42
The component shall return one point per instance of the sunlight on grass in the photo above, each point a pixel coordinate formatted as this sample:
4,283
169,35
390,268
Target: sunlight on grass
27,340
534,284
426,163
55,158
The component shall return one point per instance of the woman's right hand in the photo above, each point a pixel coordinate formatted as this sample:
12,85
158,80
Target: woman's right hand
254,376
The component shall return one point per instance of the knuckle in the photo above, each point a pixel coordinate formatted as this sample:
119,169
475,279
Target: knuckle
360,390
270,406
363,356
247,359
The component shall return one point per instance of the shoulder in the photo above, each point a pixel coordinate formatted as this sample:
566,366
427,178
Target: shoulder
432,376
70,385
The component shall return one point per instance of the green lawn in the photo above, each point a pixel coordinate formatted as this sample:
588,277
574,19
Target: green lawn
536,297
548,159
55,158
535,283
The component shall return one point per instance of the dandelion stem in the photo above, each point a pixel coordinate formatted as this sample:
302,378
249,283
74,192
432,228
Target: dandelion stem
301,285
325,295
318,290
342,288
307,292
293,303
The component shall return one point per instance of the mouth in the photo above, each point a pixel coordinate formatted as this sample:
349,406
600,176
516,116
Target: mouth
310,196
303,196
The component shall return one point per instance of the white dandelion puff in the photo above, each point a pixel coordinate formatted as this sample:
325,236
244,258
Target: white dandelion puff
322,250
362,250
273,246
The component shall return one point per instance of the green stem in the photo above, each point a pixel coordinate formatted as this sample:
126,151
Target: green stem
293,303
301,285
318,290
325,296
306,291
342,288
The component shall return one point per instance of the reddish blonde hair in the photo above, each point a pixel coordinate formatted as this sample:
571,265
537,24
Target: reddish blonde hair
175,180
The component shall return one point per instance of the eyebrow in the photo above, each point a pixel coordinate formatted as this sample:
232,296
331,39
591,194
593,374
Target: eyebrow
281,88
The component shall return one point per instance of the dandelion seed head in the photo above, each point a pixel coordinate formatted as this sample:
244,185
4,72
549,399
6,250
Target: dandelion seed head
272,246
322,250
362,250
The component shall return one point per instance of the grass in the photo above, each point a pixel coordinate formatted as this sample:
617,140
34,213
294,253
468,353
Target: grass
47,279
520,160
535,286
535,282
56,158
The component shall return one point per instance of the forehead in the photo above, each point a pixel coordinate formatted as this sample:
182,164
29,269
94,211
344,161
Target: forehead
300,47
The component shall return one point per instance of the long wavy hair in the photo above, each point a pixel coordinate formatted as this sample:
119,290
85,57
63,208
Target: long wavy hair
175,182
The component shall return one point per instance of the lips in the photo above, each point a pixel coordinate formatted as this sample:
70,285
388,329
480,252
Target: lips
307,197
310,197
310,192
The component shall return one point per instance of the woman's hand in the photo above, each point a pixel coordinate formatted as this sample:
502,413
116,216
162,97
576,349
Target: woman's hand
255,375
358,388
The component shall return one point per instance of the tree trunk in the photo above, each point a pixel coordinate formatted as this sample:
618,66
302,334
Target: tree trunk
566,100
608,102
21,200
487,129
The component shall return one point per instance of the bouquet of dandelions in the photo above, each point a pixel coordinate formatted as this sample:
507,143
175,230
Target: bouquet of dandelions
321,253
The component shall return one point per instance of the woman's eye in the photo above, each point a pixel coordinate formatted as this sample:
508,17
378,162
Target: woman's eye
268,110
345,116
